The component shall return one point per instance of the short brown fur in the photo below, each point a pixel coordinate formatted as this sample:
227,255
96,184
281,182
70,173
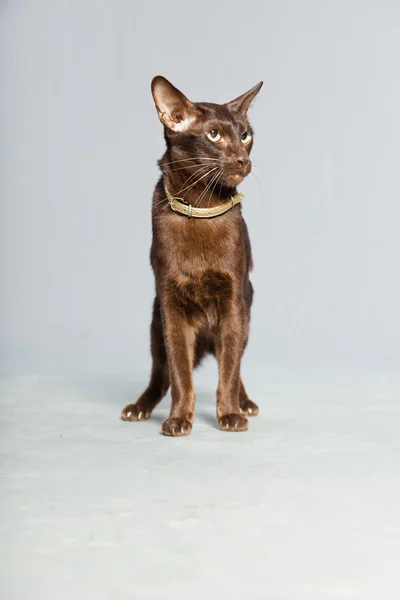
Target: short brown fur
201,266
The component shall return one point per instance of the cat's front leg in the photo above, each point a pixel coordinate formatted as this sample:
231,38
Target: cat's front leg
179,337
229,344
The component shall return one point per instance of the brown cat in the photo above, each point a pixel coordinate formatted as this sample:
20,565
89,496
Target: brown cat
201,258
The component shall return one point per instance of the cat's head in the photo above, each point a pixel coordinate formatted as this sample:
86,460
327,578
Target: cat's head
218,135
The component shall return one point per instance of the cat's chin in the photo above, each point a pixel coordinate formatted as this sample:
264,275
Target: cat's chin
233,180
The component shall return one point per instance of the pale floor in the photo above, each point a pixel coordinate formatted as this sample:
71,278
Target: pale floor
305,505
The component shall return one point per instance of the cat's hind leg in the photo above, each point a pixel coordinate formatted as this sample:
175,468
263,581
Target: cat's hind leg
159,379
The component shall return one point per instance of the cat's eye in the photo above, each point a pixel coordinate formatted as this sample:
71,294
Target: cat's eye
245,137
214,135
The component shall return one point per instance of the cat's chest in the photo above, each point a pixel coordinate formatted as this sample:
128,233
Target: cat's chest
196,245
200,264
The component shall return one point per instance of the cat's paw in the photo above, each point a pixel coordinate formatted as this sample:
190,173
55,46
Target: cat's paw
176,427
248,408
233,422
134,413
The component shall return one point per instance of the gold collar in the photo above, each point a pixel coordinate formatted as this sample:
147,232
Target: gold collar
178,205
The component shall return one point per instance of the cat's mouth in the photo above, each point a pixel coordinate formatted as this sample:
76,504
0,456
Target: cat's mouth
232,179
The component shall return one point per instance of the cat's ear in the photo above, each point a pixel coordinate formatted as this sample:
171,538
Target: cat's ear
175,111
242,103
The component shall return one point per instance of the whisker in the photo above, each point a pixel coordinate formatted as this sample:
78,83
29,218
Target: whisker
202,193
259,185
195,173
258,166
220,187
160,201
212,191
200,178
191,167
192,186
208,186
172,162
189,187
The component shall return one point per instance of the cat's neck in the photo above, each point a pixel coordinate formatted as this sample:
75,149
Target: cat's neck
194,188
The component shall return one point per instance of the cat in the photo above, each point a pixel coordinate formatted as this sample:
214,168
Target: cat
201,258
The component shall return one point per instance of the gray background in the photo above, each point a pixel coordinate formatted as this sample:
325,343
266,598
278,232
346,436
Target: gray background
305,505
80,140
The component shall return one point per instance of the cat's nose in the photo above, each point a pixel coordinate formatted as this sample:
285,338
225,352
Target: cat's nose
243,161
